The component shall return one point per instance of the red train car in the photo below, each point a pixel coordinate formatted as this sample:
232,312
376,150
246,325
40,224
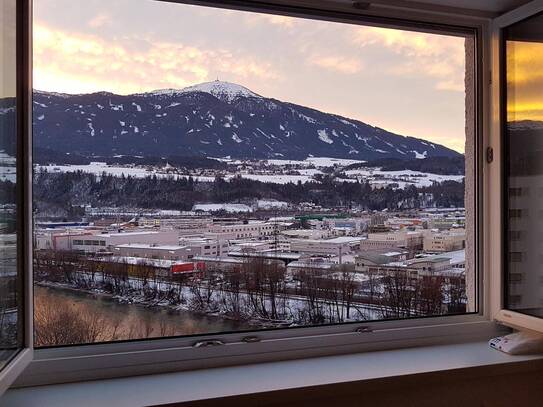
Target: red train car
179,268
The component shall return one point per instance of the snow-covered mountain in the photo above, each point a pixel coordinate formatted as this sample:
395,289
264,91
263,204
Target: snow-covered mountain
210,119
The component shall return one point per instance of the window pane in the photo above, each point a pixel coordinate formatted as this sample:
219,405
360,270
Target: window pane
10,296
204,170
524,144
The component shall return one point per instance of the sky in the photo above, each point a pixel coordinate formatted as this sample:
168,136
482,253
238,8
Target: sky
406,82
524,80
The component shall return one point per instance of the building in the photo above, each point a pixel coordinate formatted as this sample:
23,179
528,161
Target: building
347,226
306,233
379,257
204,246
445,241
412,241
331,247
58,239
107,241
153,251
251,229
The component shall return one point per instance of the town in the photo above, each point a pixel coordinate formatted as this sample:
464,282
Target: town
281,270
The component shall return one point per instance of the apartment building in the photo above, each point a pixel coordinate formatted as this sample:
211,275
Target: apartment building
444,241
204,246
252,229
412,241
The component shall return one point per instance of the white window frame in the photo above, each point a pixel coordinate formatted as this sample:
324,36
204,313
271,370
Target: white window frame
75,363
24,355
496,175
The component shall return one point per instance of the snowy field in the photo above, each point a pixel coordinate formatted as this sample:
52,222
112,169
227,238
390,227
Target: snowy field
99,168
402,178
7,167
267,171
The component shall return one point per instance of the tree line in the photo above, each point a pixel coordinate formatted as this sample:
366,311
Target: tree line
64,194
257,291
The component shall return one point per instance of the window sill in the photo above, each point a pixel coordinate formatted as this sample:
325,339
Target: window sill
274,376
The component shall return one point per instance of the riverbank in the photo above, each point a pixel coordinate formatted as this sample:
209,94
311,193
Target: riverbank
134,320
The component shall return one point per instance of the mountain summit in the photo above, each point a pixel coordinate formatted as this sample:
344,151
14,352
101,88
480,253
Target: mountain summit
210,119
225,91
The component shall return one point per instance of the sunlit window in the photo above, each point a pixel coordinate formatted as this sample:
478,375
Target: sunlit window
200,170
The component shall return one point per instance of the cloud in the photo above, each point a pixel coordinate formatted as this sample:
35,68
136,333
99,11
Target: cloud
69,62
340,64
254,19
99,20
436,56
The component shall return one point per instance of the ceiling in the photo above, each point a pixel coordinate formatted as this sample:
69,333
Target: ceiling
490,8
493,6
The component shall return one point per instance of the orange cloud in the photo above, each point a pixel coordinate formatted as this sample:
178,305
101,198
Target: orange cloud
338,64
437,56
253,19
99,21
524,81
75,63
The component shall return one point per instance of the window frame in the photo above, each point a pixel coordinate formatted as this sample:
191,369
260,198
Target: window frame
116,359
500,313
25,319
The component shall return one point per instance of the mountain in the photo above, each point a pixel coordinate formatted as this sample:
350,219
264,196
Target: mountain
213,119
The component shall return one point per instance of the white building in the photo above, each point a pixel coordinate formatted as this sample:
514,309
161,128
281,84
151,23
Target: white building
251,229
404,239
152,251
332,247
204,246
106,241
444,241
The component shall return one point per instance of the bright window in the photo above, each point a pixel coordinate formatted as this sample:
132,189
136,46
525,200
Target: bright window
235,171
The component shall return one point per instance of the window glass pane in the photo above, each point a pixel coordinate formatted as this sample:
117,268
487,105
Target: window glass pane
205,170
10,295
524,146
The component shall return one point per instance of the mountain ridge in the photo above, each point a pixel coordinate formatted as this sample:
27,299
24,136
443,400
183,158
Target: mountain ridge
210,119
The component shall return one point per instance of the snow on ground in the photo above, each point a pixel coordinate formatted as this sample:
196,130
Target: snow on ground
277,179
319,162
403,178
330,162
227,207
8,171
98,168
271,204
323,136
375,176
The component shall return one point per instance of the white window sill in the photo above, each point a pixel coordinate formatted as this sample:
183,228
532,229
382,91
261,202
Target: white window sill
265,377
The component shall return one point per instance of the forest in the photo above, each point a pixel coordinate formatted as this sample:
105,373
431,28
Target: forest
66,194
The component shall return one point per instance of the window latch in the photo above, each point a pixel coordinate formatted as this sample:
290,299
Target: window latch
363,329
204,344
489,155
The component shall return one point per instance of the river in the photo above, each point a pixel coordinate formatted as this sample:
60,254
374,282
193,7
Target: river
135,321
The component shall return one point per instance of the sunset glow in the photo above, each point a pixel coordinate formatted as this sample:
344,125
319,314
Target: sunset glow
524,81
407,82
